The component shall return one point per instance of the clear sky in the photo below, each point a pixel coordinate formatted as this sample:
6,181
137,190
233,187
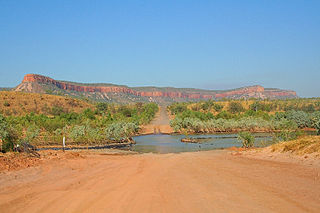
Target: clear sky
201,44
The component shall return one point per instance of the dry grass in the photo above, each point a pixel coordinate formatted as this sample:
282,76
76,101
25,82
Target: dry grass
301,146
246,104
20,103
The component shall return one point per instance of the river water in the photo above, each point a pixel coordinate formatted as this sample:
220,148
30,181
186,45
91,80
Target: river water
172,144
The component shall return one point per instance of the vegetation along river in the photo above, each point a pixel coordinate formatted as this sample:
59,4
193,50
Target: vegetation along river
162,143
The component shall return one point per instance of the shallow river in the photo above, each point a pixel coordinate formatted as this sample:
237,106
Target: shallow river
172,143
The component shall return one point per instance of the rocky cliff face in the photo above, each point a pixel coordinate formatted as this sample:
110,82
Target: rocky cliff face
41,84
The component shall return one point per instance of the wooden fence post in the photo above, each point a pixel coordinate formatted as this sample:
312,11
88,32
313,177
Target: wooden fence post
64,142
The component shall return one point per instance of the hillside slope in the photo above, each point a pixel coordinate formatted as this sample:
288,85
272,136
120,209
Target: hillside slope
123,94
19,103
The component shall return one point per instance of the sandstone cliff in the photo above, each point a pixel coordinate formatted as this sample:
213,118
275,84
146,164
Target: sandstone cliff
42,84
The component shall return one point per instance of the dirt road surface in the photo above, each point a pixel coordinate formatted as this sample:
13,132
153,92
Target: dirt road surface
160,124
211,181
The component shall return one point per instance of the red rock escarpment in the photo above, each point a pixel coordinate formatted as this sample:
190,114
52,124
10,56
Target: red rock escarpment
109,89
253,91
242,91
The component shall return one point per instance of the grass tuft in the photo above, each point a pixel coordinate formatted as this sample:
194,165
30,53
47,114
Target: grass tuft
300,146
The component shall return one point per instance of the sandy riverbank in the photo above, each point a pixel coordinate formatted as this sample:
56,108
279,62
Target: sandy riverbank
211,181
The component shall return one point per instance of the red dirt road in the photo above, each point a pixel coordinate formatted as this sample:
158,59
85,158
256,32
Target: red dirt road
160,124
212,181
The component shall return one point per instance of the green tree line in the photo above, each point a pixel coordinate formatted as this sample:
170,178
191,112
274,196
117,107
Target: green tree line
106,123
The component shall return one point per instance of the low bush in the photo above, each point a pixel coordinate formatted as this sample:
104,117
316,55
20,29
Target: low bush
286,135
6,104
230,125
247,139
118,131
235,107
8,135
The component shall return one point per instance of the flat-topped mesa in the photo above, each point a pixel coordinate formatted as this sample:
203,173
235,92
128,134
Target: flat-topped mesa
246,90
278,93
70,86
40,83
110,89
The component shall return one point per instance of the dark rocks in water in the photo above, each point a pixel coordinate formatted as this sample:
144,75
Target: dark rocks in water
188,140
194,140
124,140
130,140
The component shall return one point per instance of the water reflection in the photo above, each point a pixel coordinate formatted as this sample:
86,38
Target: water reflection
172,143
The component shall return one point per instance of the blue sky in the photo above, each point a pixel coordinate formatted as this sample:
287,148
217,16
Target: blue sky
200,44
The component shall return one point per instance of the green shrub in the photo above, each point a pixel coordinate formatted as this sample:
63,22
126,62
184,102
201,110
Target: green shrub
217,107
286,135
6,104
177,108
176,124
86,127
118,131
317,127
302,119
57,110
194,114
225,115
88,113
101,108
235,107
247,139
192,124
31,133
77,132
259,106
8,135
308,108
315,119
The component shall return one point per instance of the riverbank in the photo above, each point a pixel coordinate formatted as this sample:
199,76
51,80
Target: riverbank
209,181
112,145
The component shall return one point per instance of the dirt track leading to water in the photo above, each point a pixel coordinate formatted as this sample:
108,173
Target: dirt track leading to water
160,124
212,181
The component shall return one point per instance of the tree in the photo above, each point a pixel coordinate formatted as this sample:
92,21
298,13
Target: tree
207,105
217,107
126,111
235,107
101,108
255,106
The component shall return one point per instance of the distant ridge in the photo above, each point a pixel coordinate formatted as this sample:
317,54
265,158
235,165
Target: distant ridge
123,94
5,88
